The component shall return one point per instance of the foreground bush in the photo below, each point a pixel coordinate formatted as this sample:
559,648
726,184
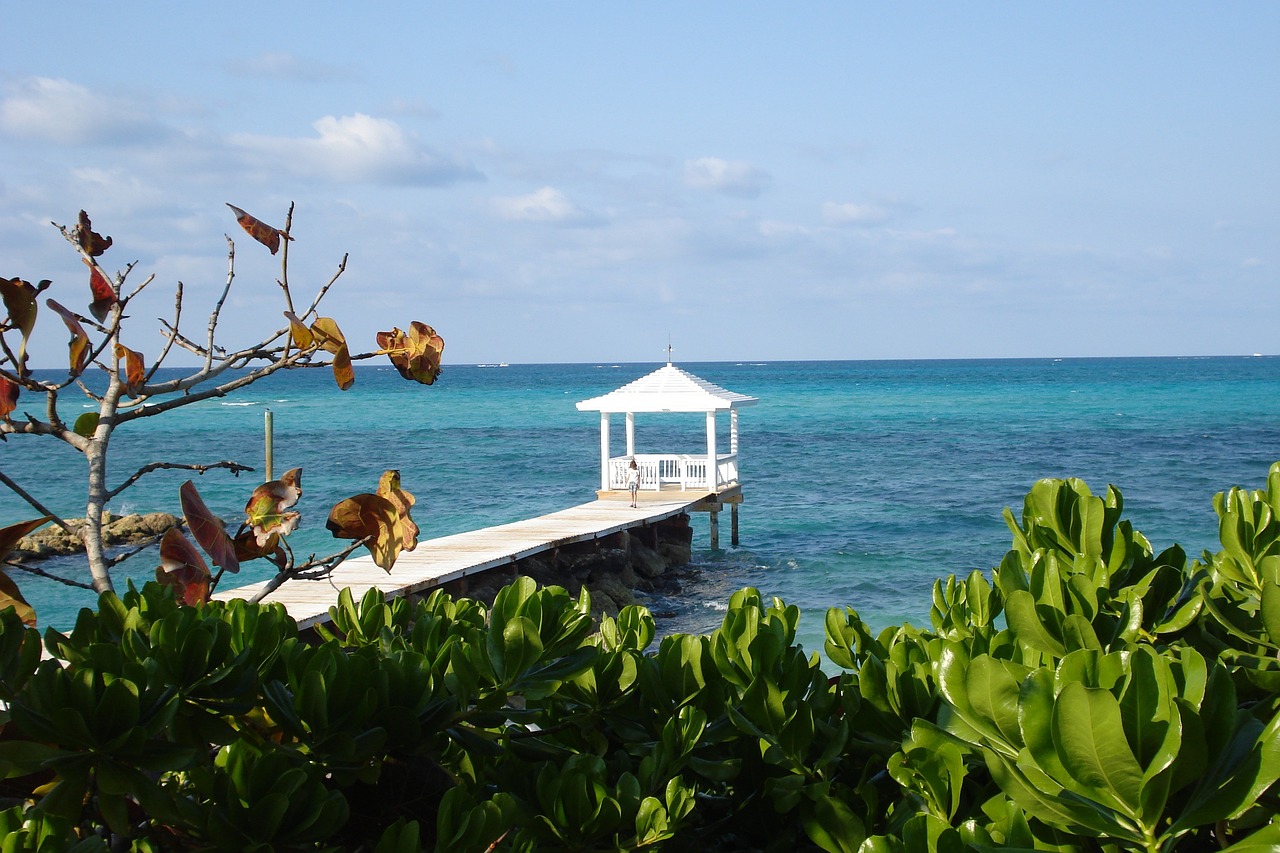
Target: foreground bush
1090,694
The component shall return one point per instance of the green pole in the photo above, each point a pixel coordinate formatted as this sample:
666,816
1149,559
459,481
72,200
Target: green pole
270,472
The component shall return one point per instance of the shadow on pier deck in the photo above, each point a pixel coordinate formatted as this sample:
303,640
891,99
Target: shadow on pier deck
436,562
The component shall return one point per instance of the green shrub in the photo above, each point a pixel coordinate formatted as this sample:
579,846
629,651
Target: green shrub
1089,694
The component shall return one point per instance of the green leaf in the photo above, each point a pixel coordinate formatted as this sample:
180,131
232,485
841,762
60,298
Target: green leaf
833,826
1092,747
1265,840
86,424
1271,611
1027,625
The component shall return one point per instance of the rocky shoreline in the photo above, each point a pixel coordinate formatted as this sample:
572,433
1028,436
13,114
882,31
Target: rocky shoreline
612,568
53,541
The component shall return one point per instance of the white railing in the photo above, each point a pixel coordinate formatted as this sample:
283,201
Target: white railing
685,470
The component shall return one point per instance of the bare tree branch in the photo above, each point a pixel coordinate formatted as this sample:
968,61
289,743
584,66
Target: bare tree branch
222,298
315,303
313,569
234,467
218,391
39,507
133,552
125,299
32,570
284,260
168,344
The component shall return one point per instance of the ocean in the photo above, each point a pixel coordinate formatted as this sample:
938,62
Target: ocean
863,481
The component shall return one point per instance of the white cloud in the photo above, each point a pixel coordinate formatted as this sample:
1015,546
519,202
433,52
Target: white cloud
358,149
727,177
869,213
545,205
848,213
67,113
282,65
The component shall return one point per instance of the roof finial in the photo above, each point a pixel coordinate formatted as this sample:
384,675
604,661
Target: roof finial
669,349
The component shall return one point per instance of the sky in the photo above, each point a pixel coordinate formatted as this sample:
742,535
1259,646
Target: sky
586,182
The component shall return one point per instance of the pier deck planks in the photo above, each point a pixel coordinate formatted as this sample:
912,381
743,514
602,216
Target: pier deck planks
449,558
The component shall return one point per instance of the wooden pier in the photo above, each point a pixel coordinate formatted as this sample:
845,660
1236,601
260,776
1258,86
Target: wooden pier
451,558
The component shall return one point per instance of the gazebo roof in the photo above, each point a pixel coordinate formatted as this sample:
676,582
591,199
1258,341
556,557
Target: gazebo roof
667,389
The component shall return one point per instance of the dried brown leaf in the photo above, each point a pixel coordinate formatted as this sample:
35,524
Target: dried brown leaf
10,535
415,355
10,596
93,243
78,347
372,517
403,501
20,301
302,337
207,529
265,511
182,568
135,372
259,230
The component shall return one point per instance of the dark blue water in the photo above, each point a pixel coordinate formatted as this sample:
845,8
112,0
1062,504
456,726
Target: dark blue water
863,481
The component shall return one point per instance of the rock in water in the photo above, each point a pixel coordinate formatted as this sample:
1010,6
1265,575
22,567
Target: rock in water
53,541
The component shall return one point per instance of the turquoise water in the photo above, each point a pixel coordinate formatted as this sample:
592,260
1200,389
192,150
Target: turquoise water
863,481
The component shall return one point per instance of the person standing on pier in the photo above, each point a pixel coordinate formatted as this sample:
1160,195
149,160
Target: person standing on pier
633,481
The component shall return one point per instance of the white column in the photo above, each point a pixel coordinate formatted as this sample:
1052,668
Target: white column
604,451
712,480
631,433
733,431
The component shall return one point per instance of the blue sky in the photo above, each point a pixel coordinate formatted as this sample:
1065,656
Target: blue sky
581,181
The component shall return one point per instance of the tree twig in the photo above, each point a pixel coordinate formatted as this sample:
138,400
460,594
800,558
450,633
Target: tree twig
284,260
150,543
315,303
307,571
32,570
234,467
222,298
168,344
41,508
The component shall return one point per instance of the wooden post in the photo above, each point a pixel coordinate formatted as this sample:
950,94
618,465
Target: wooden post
733,525
270,447
715,530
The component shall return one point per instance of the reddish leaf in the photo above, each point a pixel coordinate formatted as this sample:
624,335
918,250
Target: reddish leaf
371,516
415,355
8,397
302,337
104,294
247,548
389,488
135,373
207,529
259,230
78,347
182,568
265,510
94,244
10,535
10,596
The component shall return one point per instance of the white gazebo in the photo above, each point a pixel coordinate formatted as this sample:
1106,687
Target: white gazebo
670,389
